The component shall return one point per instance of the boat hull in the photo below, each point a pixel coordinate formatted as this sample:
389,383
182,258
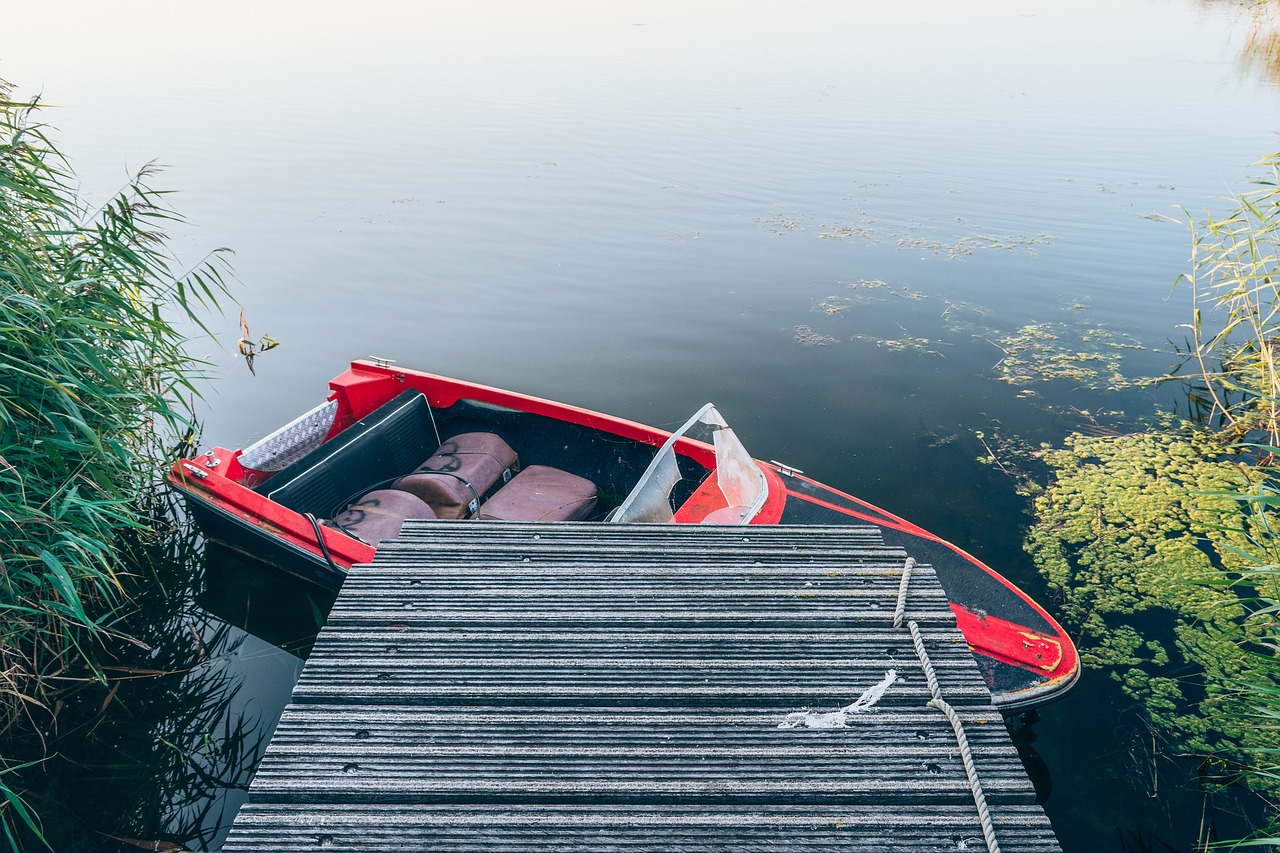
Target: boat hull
1025,656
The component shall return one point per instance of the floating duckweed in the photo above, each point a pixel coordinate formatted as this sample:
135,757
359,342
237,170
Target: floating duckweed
1090,356
1137,539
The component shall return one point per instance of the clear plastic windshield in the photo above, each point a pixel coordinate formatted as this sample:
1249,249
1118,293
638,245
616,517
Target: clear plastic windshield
738,477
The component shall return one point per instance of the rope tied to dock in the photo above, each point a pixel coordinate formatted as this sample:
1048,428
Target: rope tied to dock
966,753
900,611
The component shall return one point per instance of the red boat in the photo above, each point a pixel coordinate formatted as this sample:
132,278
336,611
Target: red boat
315,497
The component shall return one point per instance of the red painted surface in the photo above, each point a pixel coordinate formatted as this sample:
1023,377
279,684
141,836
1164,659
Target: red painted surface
270,517
708,498
1008,641
997,641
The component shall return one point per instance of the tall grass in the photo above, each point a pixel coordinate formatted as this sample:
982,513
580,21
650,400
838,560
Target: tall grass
1235,285
94,380
1235,293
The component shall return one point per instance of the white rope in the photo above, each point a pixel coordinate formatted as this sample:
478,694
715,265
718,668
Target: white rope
971,770
966,754
927,665
901,610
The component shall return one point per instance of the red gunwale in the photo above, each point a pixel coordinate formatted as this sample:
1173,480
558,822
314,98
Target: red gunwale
1068,664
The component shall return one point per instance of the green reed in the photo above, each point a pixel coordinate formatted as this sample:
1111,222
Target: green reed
1163,547
1235,286
94,379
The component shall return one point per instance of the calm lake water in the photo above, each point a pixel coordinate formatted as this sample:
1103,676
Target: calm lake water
827,217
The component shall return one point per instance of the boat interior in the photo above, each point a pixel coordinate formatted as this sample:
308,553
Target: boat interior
467,460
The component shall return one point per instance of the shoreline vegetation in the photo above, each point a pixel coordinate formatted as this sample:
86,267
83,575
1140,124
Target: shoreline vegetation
95,385
1162,548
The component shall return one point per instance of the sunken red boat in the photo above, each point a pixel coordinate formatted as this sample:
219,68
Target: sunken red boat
316,497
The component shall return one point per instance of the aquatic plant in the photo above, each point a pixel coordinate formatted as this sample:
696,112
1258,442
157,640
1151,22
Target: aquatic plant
1261,51
1234,285
1163,547
1131,538
94,380
1088,355
157,758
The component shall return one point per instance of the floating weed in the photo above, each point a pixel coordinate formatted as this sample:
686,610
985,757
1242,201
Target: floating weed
858,230
832,306
806,336
779,223
1084,353
865,284
906,343
905,235
965,318
1090,356
969,244
1016,458
1139,536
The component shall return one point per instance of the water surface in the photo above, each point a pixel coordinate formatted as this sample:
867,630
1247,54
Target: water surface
641,207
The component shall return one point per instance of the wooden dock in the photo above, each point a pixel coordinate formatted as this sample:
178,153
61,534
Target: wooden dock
519,687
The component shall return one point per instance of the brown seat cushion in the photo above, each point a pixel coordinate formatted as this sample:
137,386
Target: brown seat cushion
539,493
460,472
379,515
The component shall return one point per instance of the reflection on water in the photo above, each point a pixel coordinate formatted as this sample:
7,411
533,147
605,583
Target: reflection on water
268,604
160,757
1260,54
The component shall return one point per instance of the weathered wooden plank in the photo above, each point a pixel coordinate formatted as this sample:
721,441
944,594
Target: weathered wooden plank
818,538
656,755
293,828
511,664
647,591
577,687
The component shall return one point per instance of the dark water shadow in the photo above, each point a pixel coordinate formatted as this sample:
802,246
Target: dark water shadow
263,601
159,757
1122,788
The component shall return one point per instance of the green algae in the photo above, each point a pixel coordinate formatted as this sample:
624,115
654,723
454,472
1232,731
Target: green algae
1086,354
1141,539
904,343
1081,352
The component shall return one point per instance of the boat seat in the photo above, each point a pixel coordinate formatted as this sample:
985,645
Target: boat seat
541,493
380,514
457,476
